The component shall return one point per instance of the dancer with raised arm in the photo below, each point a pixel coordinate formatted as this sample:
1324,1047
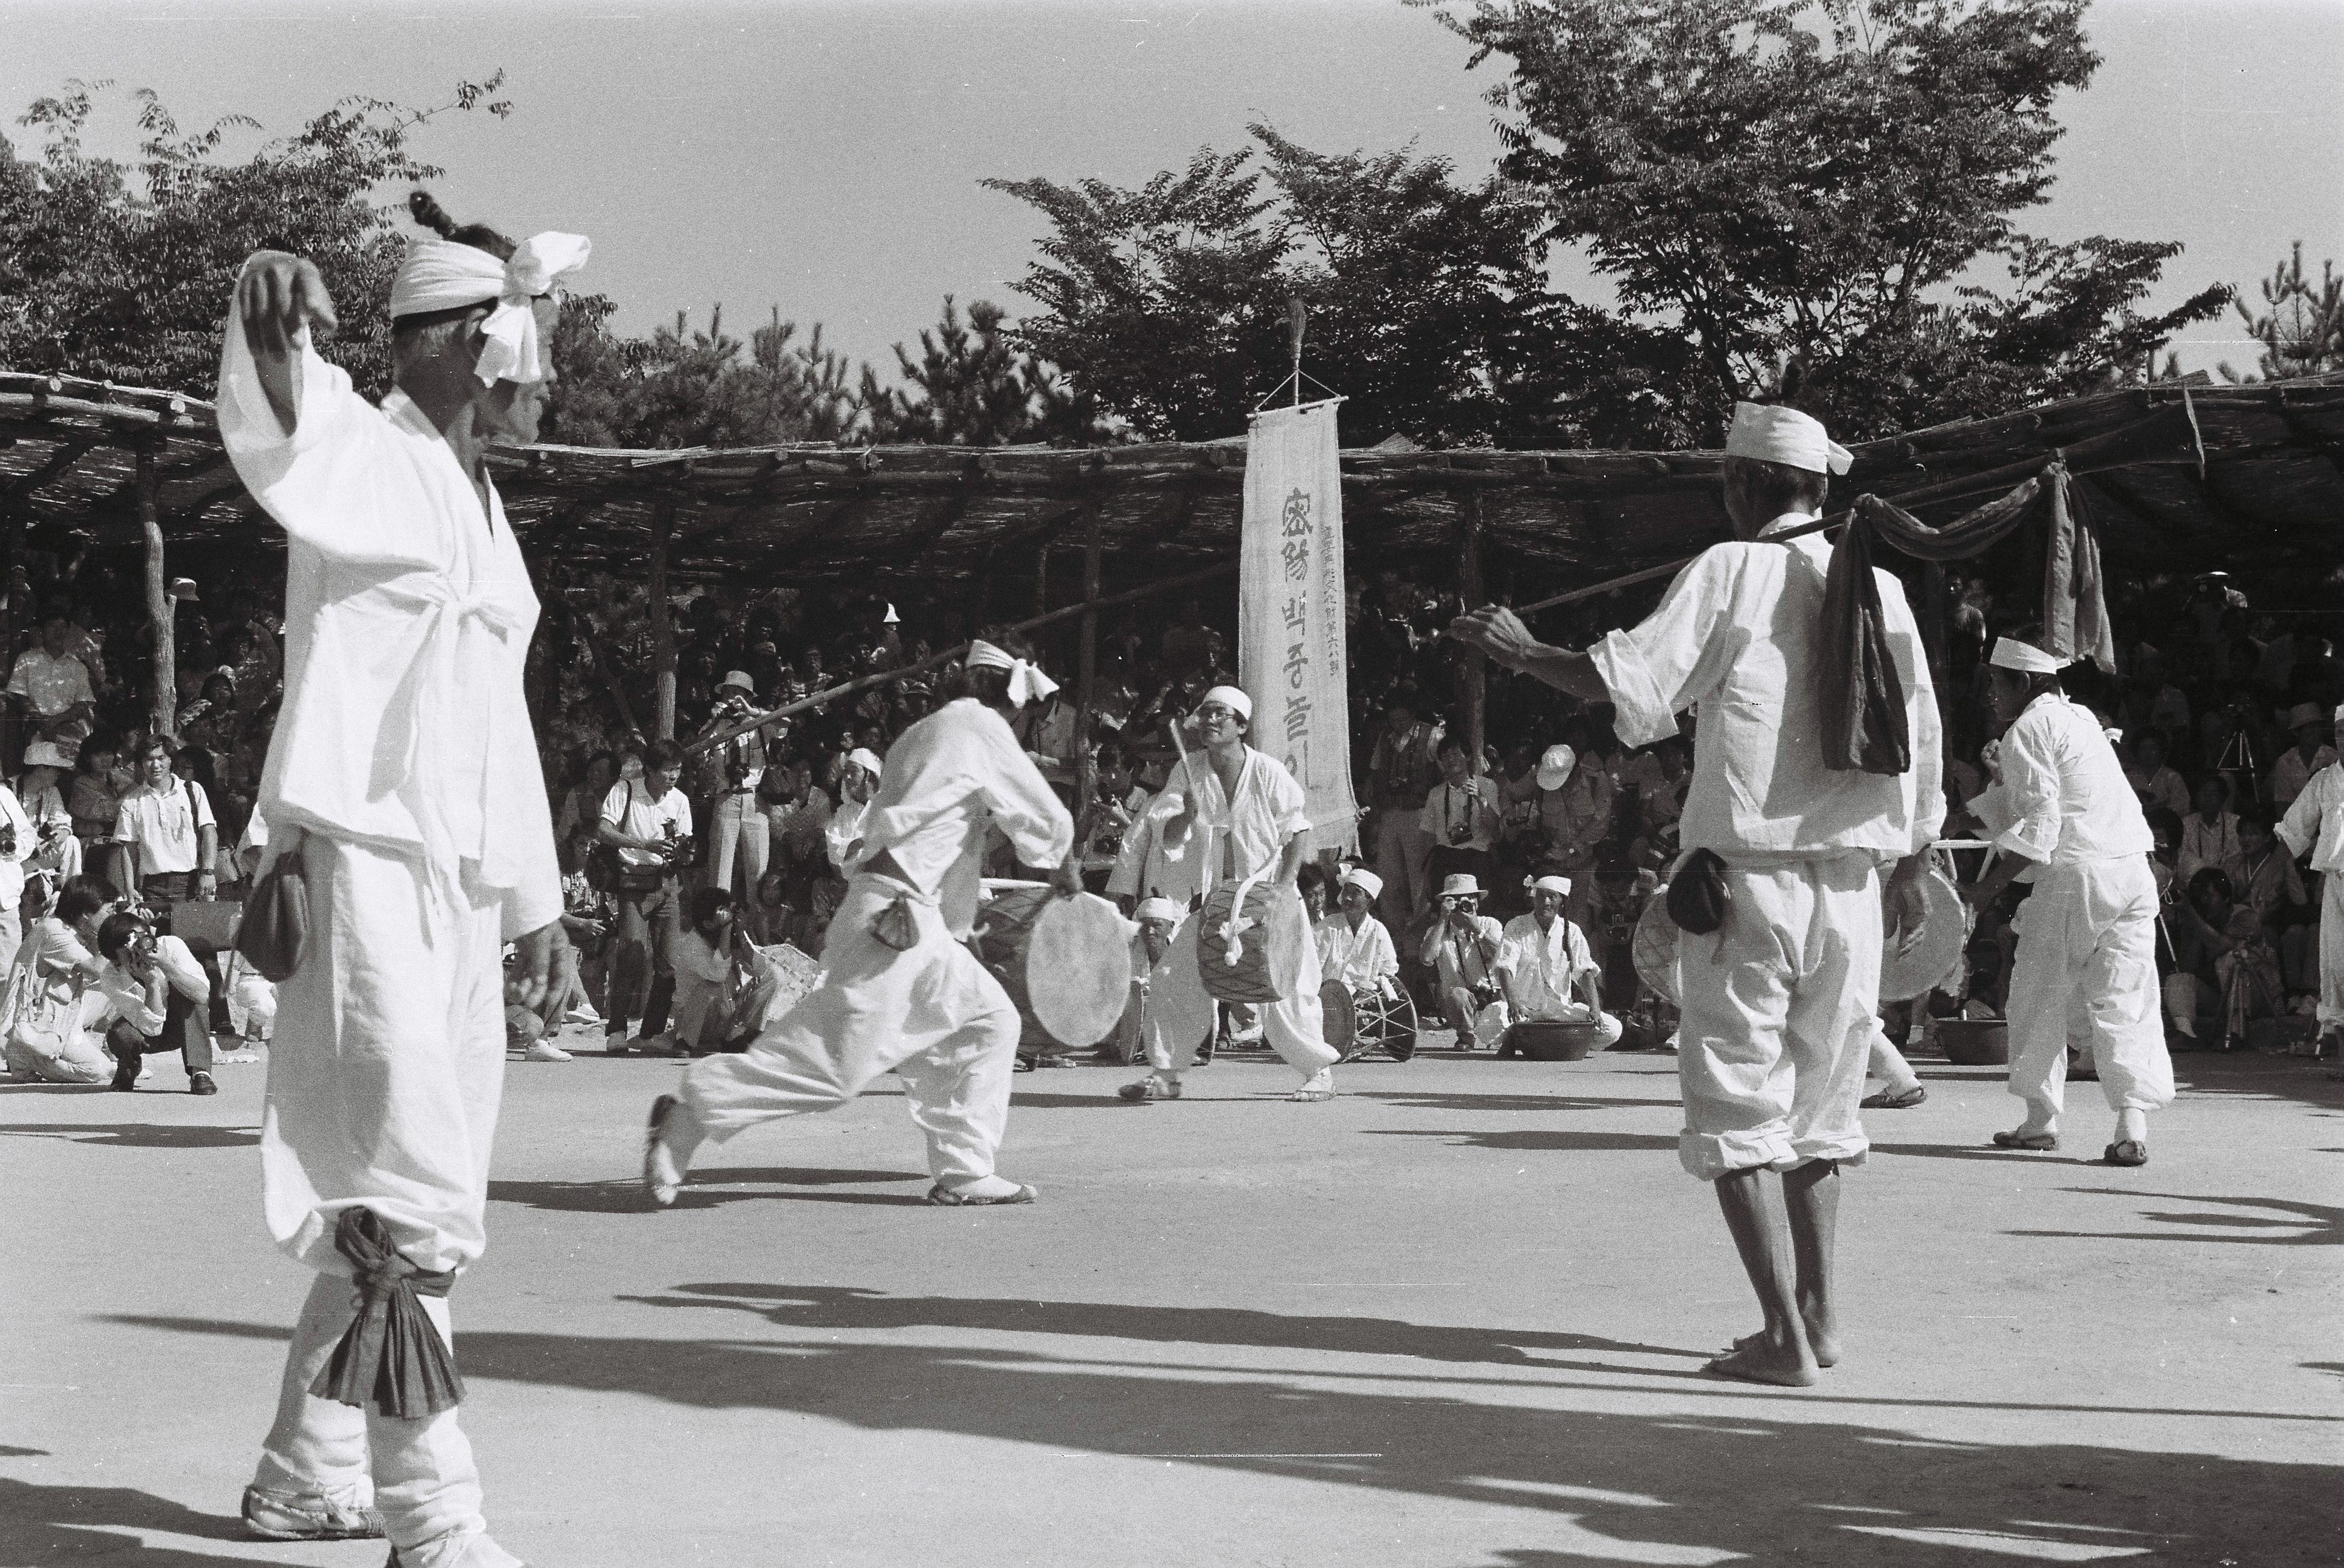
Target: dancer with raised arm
1781,992
404,773
901,991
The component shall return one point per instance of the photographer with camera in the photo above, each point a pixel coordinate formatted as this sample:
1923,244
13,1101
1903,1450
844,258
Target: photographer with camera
738,824
160,996
649,826
1461,818
1463,944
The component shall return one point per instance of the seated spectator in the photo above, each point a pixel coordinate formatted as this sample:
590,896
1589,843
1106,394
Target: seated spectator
706,951
1354,947
2202,935
2156,784
56,1013
160,999
1462,947
1546,968
2313,728
2270,884
2248,976
2210,835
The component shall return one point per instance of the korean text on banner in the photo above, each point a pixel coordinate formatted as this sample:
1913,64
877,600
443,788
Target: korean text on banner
1290,656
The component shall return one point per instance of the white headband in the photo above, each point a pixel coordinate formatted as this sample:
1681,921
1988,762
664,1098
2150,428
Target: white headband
1027,683
1779,435
1229,697
2012,654
441,275
1366,881
862,758
1557,884
1157,909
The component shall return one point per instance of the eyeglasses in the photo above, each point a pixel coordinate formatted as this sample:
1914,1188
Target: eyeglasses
1214,712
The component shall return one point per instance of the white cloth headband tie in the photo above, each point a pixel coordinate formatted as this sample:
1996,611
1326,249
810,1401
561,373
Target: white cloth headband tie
441,275
1778,435
1026,682
2009,653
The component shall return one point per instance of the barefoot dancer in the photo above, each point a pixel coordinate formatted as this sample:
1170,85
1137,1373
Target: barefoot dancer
900,989
1779,1002
2064,816
404,772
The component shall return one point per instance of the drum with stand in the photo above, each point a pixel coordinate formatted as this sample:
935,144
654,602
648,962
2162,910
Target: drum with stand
1386,1022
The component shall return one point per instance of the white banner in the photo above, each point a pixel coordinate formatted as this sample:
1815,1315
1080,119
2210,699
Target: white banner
1291,657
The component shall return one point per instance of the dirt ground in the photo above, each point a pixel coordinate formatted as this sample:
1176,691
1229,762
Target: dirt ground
1454,1319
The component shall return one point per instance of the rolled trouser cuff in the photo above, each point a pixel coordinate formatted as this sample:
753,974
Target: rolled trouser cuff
1706,1155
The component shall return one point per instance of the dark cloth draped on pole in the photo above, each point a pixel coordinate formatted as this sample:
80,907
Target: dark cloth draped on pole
390,1356
1863,713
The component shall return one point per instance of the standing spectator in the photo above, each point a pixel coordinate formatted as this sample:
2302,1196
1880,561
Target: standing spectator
55,687
17,842
1401,772
737,829
1191,647
160,996
2310,753
649,824
168,837
1460,817
95,802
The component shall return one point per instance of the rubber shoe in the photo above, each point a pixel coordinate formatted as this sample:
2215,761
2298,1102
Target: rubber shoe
307,1516
546,1051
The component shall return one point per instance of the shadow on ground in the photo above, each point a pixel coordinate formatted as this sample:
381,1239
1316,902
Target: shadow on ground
1684,1488
68,1524
625,1195
136,1135
2289,1224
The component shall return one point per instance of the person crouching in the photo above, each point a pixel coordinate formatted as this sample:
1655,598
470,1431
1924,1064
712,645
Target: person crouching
1547,970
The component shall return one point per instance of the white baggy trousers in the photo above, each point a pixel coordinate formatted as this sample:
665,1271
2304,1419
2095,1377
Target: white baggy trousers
384,1078
1296,1026
2086,968
1780,1006
2332,950
931,1013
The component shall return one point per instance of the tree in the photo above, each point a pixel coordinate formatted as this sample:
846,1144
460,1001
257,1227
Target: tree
2301,328
1825,179
971,387
1168,304
684,388
122,271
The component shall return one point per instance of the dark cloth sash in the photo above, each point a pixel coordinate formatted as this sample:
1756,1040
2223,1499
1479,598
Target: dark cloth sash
1864,727
390,1355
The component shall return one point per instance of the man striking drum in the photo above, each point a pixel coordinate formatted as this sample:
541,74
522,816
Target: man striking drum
2063,814
1778,1003
1255,815
900,989
404,773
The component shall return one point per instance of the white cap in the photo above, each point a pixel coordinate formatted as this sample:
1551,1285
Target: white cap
1366,881
1785,436
1554,768
2009,653
1232,699
891,618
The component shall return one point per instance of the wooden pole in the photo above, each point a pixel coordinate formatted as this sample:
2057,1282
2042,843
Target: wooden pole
662,629
1086,669
1477,663
161,617
864,683
1042,580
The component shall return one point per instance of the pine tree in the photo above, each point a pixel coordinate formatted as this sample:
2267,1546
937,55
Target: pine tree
2301,328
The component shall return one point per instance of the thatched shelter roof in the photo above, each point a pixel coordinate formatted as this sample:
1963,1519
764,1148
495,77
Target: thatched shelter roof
2192,478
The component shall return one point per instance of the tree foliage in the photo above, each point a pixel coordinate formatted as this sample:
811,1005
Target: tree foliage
1168,303
2301,326
971,385
682,387
122,270
1825,179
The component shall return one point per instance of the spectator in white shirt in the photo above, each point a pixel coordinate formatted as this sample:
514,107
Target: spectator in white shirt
1354,946
1460,818
16,842
1548,970
54,686
2209,836
159,997
649,823
1463,946
2310,753
165,827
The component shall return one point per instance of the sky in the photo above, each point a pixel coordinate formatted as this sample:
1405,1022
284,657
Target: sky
823,158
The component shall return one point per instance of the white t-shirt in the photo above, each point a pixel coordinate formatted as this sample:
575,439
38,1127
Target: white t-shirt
163,823
629,807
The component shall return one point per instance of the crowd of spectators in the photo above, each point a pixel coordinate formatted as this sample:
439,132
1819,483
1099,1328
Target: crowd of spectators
679,856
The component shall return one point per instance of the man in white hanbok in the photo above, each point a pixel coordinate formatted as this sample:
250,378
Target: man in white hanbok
2065,818
900,990
858,781
1779,1001
1546,970
404,772
1354,946
1247,817
2314,825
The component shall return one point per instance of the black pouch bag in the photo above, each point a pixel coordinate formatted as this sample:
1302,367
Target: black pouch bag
1697,895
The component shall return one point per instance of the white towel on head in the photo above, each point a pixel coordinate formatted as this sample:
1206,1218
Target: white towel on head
441,275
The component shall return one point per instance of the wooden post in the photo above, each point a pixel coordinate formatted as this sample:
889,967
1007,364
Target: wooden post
1468,586
161,609
1042,580
662,629
1087,672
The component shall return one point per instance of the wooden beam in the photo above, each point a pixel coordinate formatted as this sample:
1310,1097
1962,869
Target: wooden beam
63,458
1469,583
1087,673
662,629
161,610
